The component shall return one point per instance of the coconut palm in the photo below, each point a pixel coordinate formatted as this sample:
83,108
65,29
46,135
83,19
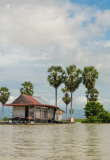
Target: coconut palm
66,99
73,80
4,95
55,78
27,88
93,94
89,76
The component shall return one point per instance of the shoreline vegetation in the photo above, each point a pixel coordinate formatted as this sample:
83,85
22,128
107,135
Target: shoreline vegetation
76,120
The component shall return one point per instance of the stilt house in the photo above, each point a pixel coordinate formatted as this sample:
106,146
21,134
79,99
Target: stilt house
33,108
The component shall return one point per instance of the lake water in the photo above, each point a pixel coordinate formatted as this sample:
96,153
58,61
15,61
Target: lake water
55,142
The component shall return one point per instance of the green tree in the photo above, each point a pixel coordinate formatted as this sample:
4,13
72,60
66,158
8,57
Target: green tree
4,95
55,78
95,113
93,94
73,80
93,109
27,88
89,76
104,117
66,99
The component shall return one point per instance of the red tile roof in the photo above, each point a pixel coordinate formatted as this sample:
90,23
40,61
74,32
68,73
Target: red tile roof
32,102
30,98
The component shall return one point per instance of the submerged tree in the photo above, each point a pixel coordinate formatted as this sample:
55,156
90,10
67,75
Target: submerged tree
27,88
89,76
93,94
66,99
95,113
55,78
73,80
4,95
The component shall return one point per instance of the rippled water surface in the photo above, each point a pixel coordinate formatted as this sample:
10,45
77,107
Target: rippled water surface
55,142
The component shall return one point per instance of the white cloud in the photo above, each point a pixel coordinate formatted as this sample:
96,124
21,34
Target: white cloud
11,99
107,44
81,100
34,27
104,100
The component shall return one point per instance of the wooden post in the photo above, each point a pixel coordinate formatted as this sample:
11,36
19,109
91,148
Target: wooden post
28,113
54,111
41,114
34,114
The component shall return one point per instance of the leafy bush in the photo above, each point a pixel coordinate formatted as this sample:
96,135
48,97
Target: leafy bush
95,113
93,108
104,117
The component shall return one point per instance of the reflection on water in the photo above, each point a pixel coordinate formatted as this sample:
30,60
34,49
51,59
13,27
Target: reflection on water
55,142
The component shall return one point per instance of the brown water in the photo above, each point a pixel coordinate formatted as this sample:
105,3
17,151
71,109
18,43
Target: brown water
55,142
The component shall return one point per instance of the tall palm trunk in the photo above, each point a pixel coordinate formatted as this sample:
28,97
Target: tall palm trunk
9,111
55,96
2,112
71,103
66,107
66,112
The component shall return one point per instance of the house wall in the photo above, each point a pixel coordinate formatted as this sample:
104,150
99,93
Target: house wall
50,114
37,112
43,113
31,111
58,115
18,111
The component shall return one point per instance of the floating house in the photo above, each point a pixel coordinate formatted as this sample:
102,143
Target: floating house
32,108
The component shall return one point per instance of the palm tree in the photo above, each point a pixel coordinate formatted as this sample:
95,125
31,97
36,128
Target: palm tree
89,76
66,99
71,111
55,78
73,80
93,94
27,88
4,95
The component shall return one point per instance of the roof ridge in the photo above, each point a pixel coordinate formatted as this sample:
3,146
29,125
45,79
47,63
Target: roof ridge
36,96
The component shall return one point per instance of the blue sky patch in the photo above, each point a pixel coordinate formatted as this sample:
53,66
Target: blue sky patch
107,35
85,23
100,4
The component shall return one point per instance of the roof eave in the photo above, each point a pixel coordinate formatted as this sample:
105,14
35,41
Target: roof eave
30,104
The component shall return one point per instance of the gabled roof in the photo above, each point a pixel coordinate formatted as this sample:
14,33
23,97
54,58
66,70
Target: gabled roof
31,100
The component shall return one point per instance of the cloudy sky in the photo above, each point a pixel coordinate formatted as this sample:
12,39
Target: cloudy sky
35,34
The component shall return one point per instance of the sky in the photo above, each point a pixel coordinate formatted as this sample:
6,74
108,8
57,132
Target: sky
35,35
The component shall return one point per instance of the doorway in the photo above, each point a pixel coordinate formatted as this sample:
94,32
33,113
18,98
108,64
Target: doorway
26,111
